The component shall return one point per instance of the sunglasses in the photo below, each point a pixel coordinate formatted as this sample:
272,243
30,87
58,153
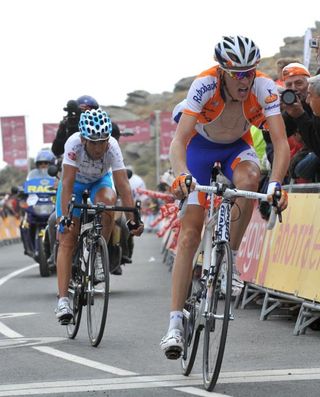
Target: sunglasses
242,74
42,162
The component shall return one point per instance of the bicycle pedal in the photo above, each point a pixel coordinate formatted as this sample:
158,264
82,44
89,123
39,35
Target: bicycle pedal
173,353
66,320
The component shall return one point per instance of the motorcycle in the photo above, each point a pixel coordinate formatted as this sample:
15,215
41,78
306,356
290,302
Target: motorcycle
39,193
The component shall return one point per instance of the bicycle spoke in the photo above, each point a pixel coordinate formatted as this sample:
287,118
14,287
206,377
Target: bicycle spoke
217,321
191,330
76,295
98,292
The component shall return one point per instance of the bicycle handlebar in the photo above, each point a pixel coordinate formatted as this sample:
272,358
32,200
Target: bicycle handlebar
100,207
222,190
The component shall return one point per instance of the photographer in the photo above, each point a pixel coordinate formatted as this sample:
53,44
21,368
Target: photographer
69,124
299,115
294,96
293,105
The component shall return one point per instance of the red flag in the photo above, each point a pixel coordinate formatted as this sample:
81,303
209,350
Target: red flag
14,141
49,132
167,130
140,130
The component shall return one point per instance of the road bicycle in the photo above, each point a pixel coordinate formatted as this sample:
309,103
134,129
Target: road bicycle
91,252
208,306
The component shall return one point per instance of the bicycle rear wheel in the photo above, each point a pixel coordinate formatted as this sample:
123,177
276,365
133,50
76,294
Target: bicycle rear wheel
76,293
98,292
217,320
190,316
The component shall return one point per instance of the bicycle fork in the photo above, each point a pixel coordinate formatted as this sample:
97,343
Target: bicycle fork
206,300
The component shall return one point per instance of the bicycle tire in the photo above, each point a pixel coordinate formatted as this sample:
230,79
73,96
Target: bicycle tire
97,293
42,258
76,293
191,334
165,241
217,321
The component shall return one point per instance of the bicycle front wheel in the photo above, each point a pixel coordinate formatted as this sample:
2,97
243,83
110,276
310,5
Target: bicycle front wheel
76,294
98,291
217,319
190,316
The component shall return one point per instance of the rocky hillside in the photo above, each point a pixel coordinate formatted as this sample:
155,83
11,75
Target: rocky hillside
140,104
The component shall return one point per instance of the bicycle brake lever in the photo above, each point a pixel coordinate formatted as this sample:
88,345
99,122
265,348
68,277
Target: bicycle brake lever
275,199
188,182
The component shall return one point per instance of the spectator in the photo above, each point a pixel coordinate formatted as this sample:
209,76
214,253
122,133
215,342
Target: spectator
295,78
313,99
301,116
309,165
281,63
166,181
136,182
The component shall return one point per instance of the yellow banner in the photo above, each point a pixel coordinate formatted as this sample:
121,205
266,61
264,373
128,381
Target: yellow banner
290,258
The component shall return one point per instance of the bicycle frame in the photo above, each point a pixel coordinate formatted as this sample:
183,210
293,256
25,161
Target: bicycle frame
86,288
203,308
216,230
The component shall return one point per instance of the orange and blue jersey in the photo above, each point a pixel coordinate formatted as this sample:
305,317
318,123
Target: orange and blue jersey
205,102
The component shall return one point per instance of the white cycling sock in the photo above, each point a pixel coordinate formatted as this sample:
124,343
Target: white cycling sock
64,299
234,261
176,320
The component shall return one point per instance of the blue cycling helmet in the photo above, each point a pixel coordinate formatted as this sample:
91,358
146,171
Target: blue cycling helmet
87,102
95,125
45,155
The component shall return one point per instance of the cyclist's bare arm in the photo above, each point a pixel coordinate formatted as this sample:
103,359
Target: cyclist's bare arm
178,146
122,185
68,178
281,150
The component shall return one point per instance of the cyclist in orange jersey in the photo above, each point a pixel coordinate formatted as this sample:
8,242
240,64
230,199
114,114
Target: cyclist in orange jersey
214,125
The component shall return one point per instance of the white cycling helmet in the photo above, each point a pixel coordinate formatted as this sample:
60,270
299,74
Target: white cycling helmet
95,125
234,52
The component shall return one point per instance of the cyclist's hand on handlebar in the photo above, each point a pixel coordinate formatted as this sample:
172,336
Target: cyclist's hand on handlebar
279,197
136,229
65,225
181,186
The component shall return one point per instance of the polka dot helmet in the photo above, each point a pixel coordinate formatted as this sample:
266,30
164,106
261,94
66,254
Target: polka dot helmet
95,125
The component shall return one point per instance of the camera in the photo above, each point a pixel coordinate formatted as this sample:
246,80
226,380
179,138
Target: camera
314,43
288,97
72,108
73,116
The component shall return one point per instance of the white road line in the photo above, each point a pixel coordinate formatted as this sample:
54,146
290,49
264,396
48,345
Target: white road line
143,382
10,315
200,392
10,333
11,343
15,273
84,361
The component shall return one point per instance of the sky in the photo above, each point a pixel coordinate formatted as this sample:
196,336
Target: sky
56,50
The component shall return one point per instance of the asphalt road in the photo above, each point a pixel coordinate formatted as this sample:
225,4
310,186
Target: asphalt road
262,358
